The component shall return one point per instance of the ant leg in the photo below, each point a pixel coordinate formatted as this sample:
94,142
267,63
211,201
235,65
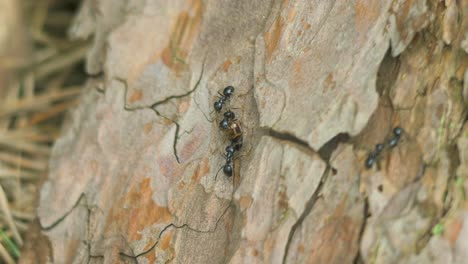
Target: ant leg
223,155
233,172
199,108
218,172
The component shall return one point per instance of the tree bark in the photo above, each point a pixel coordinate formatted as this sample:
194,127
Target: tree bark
317,85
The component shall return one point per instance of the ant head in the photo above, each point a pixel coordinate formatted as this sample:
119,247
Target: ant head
230,149
393,141
370,161
227,169
379,147
228,91
224,124
218,106
397,131
229,115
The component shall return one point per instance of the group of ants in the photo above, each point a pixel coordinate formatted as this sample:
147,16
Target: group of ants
233,129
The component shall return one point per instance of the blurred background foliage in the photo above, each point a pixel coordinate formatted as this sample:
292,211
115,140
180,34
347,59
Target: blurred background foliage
41,76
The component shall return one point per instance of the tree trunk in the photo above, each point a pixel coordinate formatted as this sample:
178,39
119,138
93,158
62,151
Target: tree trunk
135,177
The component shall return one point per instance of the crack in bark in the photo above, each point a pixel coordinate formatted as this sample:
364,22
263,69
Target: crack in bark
89,252
286,136
308,208
176,136
87,241
161,102
92,256
60,219
358,258
329,148
180,227
176,133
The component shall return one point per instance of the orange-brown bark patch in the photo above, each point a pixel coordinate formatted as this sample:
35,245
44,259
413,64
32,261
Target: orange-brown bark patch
166,239
139,210
291,15
297,76
366,12
183,107
168,166
300,248
151,257
226,65
136,95
330,82
191,146
283,202
338,239
203,169
147,128
273,36
183,35
245,202
453,229
147,212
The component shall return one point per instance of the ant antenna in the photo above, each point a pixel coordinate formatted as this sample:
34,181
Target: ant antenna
218,172
203,112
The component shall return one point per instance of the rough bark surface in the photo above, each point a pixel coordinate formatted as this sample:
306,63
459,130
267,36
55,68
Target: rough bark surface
318,84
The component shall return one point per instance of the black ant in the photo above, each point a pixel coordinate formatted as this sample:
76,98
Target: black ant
392,142
227,168
226,95
397,131
236,136
228,116
233,128
373,155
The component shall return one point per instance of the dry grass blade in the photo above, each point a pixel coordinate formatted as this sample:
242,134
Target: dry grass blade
59,62
22,226
28,134
45,77
44,54
14,63
23,145
9,218
51,112
6,173
23,215
5,256
18,161
38,102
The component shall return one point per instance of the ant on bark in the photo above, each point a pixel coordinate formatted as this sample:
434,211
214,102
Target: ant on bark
226,95
392,142
227,168
235,134
233,129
